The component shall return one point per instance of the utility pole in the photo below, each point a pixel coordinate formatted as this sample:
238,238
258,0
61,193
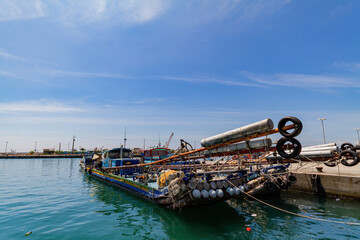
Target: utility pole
35,146
6,146
72,150
59,147
322,123
125,138
144,143
357,130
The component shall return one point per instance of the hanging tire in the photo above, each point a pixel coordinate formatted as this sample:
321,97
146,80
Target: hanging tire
349,158
346,146
356,148
296,150
331,163
295,131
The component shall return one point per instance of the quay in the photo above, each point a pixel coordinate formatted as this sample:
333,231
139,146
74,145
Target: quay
338,181
39,155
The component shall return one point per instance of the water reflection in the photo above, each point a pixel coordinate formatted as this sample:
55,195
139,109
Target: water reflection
138,217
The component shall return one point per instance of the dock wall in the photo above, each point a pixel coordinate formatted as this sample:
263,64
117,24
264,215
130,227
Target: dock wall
337,181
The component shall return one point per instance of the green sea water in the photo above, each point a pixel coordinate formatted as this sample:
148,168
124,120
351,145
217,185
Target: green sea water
55,200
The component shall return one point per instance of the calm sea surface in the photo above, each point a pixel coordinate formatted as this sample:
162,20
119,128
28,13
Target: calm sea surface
55,200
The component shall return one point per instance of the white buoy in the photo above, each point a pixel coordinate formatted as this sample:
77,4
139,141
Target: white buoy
219,193
212,193
230,191
237,191
205,194
196,194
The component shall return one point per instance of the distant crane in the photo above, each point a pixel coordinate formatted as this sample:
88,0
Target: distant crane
168,142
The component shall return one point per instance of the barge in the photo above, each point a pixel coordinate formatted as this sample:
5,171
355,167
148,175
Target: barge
181,181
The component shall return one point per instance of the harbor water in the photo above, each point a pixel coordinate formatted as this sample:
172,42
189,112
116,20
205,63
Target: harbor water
55,200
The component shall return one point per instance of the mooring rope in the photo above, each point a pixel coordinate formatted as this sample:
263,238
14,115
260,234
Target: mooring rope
292,213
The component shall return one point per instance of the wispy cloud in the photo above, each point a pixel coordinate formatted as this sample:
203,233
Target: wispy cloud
38,106
86,74
130,12
240,11
303,80
10,56
211,80
21,9
353,67
74,12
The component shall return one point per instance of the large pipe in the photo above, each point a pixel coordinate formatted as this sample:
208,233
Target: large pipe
254,144
331,148
321,145
248,130
312,154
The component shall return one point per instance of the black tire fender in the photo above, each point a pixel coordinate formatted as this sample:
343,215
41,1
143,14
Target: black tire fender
296,150
295,121
349,158
331,163
346,146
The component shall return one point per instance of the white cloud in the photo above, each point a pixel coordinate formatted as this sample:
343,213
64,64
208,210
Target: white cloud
21,9
211,80
38,106
87,74
353,67
75,12
10,56
130,12
303,80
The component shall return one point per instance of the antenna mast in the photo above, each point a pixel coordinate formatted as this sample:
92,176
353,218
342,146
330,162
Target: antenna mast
125,138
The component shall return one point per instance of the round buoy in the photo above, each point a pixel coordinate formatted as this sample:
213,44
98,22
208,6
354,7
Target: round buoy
206,186
248,229
212,193
219,193
237,191
213,185
225,184
219,184
196,193
200,186
230,191
204,194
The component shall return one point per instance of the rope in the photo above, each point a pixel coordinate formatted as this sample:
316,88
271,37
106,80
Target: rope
292,213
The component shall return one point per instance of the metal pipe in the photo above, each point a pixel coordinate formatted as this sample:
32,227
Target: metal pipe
254,144
254,128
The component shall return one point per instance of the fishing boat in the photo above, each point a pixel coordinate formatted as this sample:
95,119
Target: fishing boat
155,154
224,173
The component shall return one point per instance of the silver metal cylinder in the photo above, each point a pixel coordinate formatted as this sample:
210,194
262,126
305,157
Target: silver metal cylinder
248,130
253,144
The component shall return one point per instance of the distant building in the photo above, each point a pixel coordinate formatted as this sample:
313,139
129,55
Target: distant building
48,151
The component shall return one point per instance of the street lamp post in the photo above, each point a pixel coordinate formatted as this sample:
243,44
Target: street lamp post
322,123
357,130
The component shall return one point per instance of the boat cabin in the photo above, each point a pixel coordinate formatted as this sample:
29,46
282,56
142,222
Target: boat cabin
155,154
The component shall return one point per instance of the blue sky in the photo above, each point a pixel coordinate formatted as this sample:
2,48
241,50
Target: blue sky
195,68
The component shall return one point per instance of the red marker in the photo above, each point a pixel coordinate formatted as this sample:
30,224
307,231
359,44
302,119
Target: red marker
248,229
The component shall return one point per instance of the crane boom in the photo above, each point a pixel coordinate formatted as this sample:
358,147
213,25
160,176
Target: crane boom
168,142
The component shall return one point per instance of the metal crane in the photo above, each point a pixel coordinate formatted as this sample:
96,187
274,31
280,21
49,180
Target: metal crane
168,142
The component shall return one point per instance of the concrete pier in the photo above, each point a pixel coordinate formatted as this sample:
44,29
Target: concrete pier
338,181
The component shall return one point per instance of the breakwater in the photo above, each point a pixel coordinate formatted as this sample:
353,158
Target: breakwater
26,155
